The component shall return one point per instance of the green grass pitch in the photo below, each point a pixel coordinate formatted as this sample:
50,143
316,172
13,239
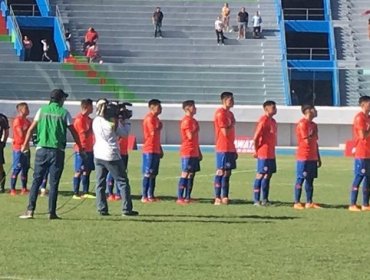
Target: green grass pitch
197,241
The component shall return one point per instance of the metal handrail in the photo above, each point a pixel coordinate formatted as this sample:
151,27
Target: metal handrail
306,12
58,15
34,8
309,52
15,23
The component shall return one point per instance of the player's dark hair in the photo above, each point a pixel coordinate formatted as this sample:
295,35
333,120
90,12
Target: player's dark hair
20,105
306,107
268,103
187,103
226,94
86,102
154,102
364,98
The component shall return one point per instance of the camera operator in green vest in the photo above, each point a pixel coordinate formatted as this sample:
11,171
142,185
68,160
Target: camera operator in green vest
52,121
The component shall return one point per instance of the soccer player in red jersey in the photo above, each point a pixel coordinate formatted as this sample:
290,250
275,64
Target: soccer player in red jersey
265,138
224,123
84,166
152,150
189,151
308,157
361,136
21,161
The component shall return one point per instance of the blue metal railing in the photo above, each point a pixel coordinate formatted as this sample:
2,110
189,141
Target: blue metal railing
15,32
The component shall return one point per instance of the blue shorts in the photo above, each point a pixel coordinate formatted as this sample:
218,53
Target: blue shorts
86,165
21,160
266,166
190,164
151,164
306,169
362,166
226,161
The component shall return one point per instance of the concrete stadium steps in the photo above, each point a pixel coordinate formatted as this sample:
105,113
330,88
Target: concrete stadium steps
187,61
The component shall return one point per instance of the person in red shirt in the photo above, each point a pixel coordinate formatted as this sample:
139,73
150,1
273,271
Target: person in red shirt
84,163
265,138
361,137
189,151
21,161
308,157
152,150
91,37
224,123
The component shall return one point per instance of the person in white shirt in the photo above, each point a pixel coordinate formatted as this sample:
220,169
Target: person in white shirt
107,128
219,26
45,49
257,21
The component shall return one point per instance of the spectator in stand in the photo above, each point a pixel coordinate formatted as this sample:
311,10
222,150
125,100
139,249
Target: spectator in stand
21,160
219,25
157,22
4,133
68,37
242,20
27,44
91,37
45,49
225,12
257,21
92,53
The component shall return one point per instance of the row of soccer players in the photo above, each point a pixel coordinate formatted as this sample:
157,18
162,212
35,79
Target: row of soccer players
265,140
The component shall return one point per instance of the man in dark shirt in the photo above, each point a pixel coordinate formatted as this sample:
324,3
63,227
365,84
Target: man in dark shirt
157,22
242,20
4,133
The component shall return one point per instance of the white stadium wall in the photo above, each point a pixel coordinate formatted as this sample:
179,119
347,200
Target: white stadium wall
334,122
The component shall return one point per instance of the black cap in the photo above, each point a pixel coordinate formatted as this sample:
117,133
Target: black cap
58,94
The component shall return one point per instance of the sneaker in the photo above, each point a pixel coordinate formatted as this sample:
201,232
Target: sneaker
144,200
54,217
101,213
365,208
312,206
130,213
298,206
13,192
354,208
117,197
225,200
76,196
265,203
180,201
218,201
257,204
27,215
87,195
111,197
153,199
43,192
24,191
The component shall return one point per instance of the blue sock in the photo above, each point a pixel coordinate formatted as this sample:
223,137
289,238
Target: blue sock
225,183
145,187
76,185
151,188
24,177
365,191
181,187
265,186
257,189
13,180
298,190
189,188
355,186
85,180
217,186
309,189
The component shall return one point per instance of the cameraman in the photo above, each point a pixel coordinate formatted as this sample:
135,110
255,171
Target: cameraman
107,128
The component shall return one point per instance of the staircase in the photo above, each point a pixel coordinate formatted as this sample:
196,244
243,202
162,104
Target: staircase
187,62
7,52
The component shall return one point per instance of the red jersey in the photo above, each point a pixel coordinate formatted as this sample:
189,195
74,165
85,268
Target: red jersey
18,138
224,119
361,122
91,36
265,137
307,137
189,147
152,127
83,127
123,145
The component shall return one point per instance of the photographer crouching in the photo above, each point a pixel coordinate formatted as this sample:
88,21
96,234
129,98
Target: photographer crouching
108,125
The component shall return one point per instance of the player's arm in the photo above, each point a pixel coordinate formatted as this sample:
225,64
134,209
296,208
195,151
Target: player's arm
28,136
303,130
224,124
318,156
257,136
76,137
363,129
